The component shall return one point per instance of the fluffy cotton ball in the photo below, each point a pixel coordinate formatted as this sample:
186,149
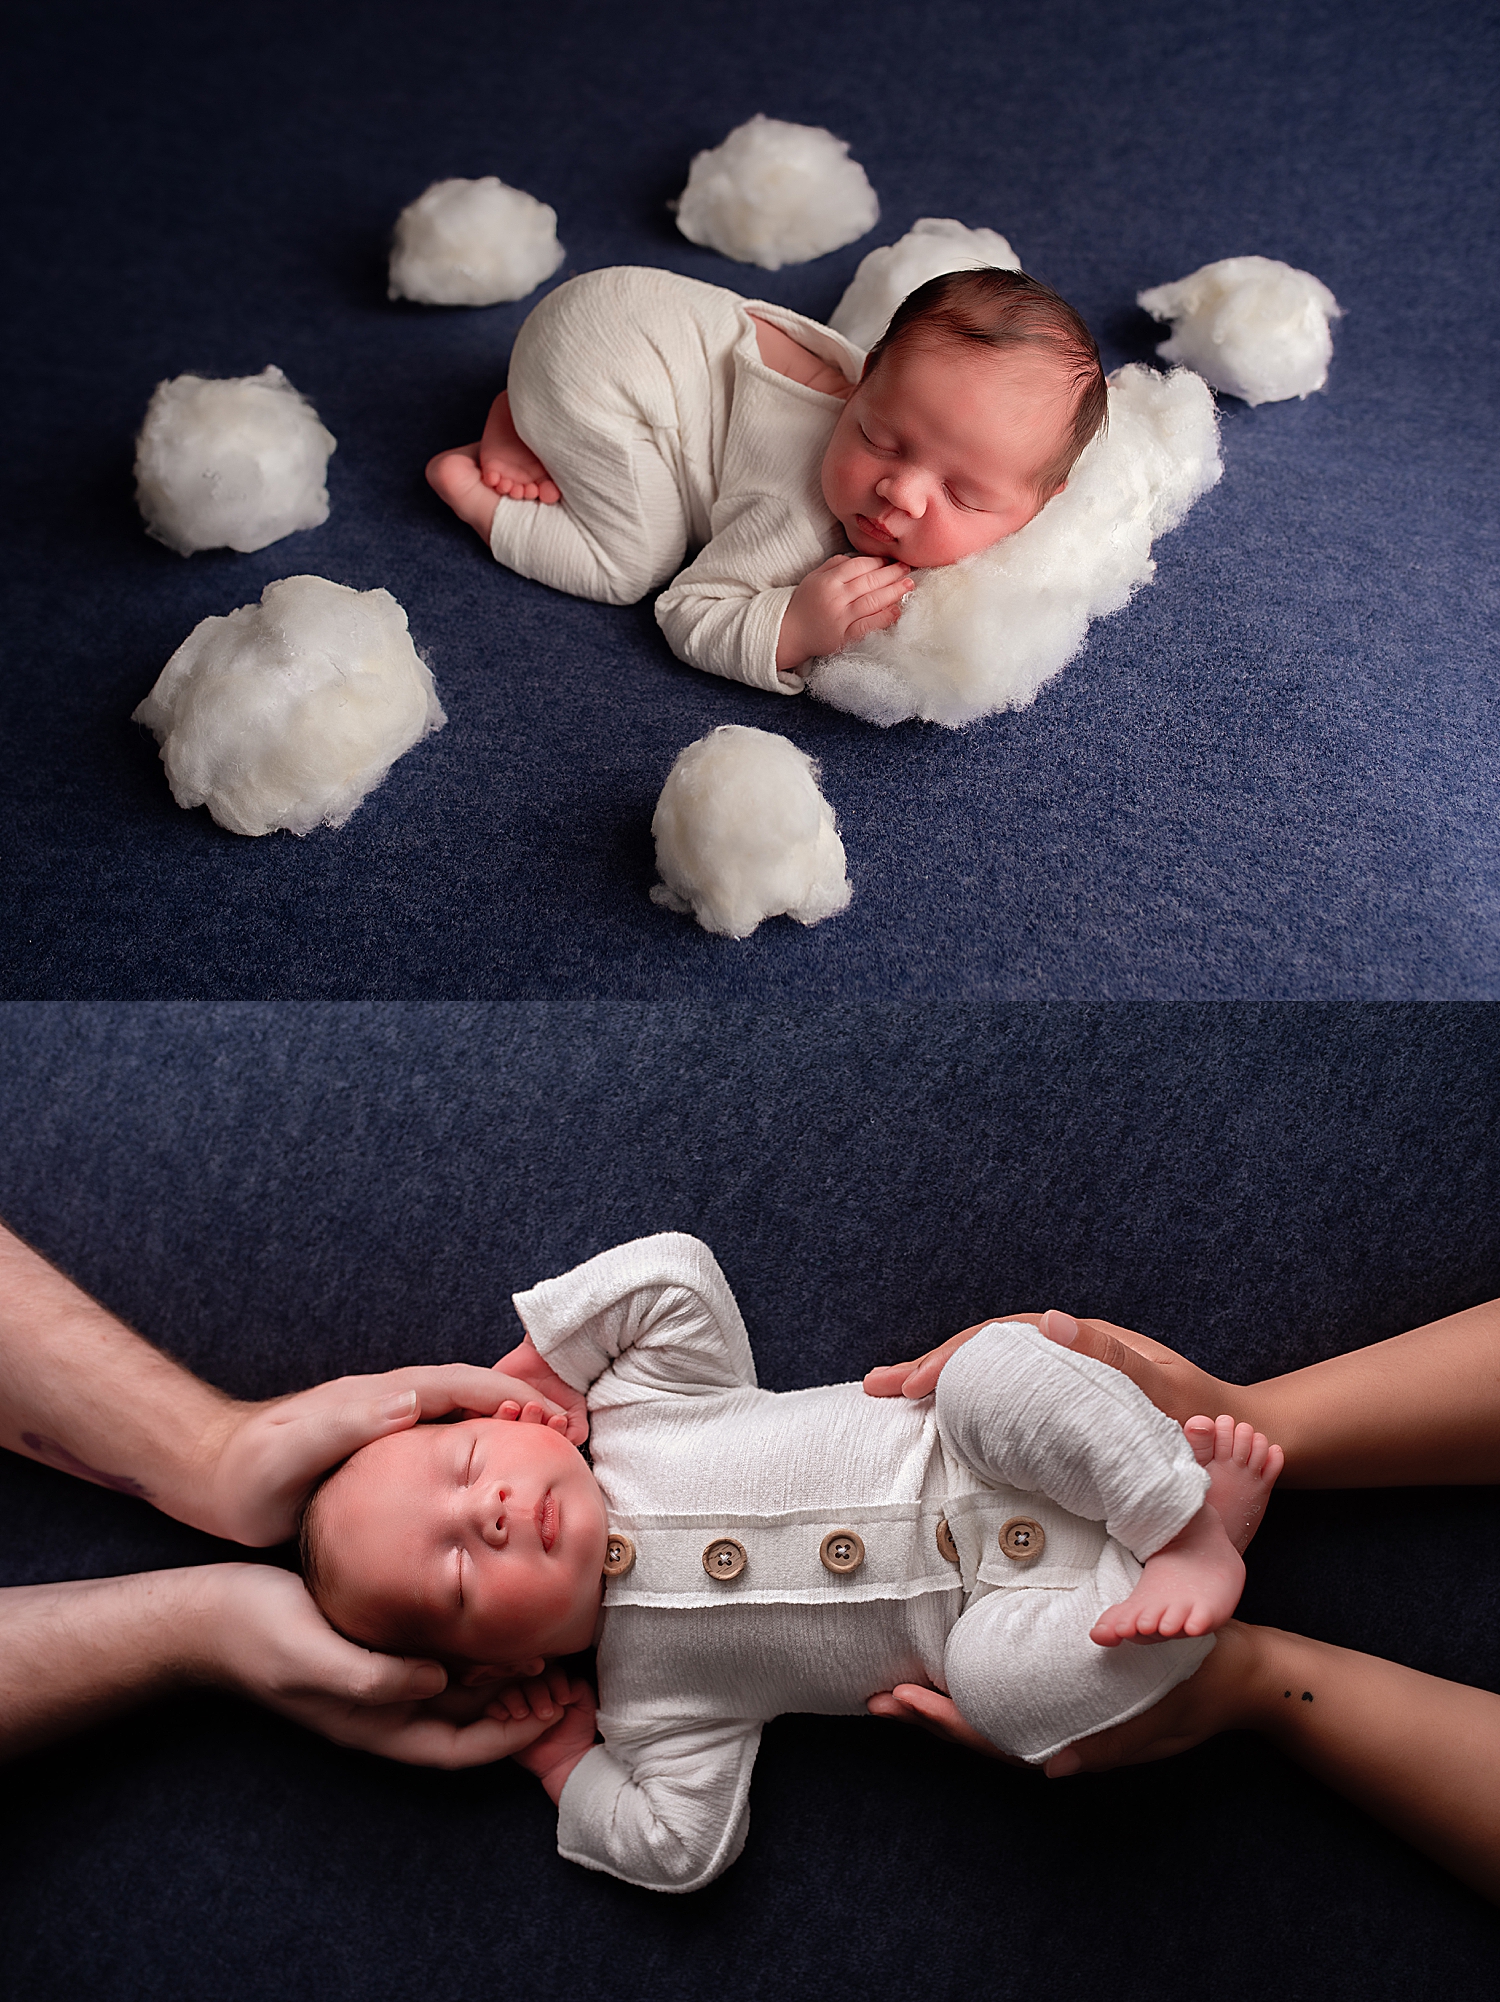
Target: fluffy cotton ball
287,713
473,243
929,248
230,464
776,194
742,833
1250,326
987,633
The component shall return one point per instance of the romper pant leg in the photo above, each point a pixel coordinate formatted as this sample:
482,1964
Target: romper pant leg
1024,1413
620,383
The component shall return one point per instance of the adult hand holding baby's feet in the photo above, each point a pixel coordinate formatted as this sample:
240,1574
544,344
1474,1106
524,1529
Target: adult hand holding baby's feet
269,1456
838,603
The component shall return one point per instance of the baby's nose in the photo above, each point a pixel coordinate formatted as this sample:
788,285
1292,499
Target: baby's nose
492,1524
899,493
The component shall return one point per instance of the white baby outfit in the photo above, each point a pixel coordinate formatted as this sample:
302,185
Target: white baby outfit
694,1460
645,397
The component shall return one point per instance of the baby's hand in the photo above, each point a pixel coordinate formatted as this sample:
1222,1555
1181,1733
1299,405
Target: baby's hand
523,1371
554,1755
838,603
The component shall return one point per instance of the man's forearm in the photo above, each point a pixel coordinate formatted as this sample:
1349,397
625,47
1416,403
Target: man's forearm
76,1653
81,1392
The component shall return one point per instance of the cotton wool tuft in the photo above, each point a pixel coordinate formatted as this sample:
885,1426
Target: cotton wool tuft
473,243
988,633
1251,326
931,247
775,194
287,713
743,833
232,463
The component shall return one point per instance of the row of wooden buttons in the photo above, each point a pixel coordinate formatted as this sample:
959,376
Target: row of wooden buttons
841,1550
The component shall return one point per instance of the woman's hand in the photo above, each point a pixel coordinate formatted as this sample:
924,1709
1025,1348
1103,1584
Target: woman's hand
265,1458
259,1632
914,1703
919,1377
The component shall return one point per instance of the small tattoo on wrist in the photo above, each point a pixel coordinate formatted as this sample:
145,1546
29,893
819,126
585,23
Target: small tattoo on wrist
57,1455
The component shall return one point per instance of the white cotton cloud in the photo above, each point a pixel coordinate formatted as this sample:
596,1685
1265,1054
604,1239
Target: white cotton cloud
473,243
775,194
932,246
1251,326
989,632
287,713
230,464
742,833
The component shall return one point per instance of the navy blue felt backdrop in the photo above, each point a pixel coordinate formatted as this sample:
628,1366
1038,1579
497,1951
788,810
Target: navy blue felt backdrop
280,1194
1273,775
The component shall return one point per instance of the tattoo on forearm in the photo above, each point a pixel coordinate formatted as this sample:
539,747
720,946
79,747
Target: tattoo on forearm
57,1455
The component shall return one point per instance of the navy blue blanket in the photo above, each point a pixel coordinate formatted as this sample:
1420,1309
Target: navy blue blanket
277,1195
1273,775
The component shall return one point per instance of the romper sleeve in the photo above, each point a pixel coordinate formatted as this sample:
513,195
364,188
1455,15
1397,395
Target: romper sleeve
668,1811
657,1314
770,524
715,618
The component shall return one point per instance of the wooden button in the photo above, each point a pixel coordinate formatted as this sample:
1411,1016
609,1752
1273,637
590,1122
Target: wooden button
724,1558
946,1546
1022,1539
619,1555
841,1550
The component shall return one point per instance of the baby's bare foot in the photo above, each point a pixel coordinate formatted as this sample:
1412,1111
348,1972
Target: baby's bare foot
1242,1469
1193,1584
454,477
1188,1587
508,466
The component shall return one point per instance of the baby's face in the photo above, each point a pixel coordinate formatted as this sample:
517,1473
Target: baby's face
483,1539
938,452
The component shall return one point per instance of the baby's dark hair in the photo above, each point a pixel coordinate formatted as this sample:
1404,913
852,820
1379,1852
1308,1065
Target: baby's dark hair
1001,310
310,1543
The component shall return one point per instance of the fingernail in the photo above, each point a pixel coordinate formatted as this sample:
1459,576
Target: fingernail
1062,1765
1062,1329
428,1680
400,1404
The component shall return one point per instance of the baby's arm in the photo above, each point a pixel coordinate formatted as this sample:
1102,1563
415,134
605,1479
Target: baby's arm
837,604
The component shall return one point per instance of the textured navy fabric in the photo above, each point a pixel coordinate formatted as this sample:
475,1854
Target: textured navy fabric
1274,775
280,1193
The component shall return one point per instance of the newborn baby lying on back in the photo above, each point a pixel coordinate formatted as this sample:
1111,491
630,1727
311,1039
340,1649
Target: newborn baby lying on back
647,412
737,1553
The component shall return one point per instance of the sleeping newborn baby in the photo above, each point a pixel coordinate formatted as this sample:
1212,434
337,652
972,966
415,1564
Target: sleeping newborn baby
738,1552
647,412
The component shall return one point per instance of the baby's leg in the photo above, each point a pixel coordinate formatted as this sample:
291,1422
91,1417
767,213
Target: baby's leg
617,399
1024,1412
1193,1584
1024,1673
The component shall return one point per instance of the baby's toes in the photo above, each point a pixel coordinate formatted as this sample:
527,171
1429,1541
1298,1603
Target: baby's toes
1244,1443
1200,1435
